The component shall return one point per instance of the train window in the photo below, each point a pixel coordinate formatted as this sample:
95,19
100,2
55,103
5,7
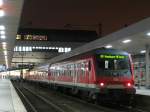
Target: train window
72,70
114,67
69,70
83,69
76,69
63,70
106,64
57,73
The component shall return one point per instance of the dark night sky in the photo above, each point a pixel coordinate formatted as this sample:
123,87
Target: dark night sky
112,14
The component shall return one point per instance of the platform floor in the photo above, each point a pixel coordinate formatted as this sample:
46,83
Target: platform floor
9,99
143,91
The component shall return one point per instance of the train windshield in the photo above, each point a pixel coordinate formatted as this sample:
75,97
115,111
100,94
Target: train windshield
113,65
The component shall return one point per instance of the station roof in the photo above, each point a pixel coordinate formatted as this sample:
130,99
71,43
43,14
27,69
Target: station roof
136,33
9,22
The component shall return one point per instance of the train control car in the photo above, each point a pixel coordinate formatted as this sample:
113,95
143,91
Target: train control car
97,74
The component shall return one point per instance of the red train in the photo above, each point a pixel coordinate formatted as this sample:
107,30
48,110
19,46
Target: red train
101,72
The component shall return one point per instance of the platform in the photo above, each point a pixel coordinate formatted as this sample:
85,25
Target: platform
143,91
9,99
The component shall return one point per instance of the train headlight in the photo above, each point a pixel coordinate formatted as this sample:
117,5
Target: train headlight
101,84
129,84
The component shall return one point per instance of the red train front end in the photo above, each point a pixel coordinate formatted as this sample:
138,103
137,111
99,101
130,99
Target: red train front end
114,75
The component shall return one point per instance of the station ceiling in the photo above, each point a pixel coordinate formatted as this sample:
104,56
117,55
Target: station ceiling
137,35
10,11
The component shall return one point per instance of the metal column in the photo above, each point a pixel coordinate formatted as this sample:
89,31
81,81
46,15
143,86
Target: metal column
147,62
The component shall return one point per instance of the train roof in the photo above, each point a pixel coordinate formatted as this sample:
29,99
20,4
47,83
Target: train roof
69,56
79,56
112,51
93,53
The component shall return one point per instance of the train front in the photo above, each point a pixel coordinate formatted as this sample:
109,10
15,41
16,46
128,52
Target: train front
114,74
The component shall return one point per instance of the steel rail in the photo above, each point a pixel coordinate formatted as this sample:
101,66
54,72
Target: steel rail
46,101
26,99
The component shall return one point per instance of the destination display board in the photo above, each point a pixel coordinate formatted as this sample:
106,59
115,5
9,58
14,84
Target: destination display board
32,37
110,56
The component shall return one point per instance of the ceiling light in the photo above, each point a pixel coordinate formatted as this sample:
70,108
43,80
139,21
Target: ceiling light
3,36
143,51
2,27
108,46
126,41
4,45
148,34
2,32
6,61
5,58
1,13
1,2
5,53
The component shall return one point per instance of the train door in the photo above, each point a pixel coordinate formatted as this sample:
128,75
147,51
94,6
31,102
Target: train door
86,74
88,71
77,73
74,73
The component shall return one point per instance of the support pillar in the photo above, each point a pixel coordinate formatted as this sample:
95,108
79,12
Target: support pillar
147,62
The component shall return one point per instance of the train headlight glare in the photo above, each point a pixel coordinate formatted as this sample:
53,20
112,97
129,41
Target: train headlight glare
129,84
101,84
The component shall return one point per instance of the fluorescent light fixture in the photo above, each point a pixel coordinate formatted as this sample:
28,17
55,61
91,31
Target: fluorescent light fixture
3,36
1,2
108,46
5,53
143,51
2,27
5,58
1,13
148,34
2,32
126,41
4,45
6,61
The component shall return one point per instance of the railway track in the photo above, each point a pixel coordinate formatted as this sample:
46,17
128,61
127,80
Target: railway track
37,103
115,106
64,103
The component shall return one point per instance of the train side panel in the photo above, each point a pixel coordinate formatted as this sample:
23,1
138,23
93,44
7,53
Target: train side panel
80,74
